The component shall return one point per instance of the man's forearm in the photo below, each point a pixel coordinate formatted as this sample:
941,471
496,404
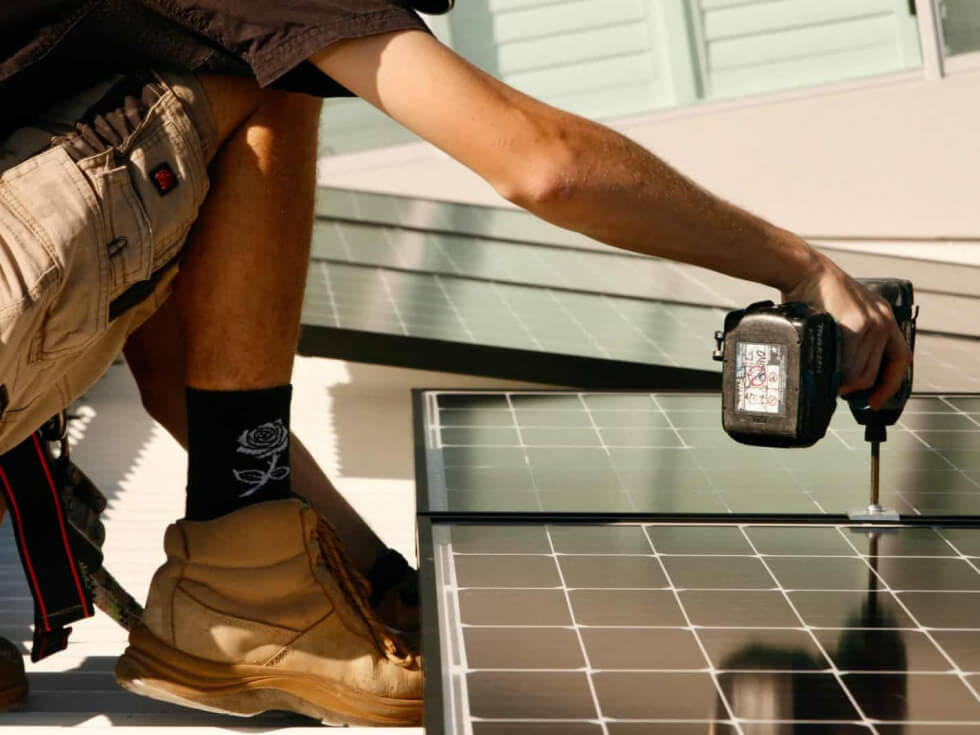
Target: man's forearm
611,189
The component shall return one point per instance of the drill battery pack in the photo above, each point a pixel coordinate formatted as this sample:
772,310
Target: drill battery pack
780,374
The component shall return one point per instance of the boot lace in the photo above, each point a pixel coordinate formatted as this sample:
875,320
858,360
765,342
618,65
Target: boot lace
357,590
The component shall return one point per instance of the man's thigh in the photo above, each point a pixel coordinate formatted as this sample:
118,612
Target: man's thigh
90,233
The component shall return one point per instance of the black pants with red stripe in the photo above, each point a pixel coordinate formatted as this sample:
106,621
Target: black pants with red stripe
32,484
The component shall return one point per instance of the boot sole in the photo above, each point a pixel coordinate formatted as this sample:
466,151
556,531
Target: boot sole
151,668
13,698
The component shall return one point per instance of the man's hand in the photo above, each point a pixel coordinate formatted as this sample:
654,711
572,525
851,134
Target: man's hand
875,354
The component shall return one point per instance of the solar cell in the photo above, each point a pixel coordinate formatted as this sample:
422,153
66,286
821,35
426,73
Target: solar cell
495,452
672,628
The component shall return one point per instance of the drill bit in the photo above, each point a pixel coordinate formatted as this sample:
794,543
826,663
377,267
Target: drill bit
875,450
874,434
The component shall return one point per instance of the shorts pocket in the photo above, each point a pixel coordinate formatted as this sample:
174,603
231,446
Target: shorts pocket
169,175
128,240
57,210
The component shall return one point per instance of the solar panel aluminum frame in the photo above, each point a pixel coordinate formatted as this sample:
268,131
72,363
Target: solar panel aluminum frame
430,579
429,468
423,353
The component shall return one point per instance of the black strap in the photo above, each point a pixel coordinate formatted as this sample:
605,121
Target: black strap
31,482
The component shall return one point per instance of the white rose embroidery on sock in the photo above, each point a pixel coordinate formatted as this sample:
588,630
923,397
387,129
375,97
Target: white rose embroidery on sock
267,441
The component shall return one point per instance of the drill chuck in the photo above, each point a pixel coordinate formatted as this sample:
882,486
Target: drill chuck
900,295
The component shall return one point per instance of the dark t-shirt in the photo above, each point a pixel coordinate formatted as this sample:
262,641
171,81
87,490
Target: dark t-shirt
51,48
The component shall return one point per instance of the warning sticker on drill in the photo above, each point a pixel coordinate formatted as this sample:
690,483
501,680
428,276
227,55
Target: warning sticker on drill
760,373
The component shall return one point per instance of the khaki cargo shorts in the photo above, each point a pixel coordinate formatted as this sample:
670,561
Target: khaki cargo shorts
89,247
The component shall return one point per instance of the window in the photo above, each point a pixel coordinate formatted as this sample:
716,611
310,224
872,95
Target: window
961,26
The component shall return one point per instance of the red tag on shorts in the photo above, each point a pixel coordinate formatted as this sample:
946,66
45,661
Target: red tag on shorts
164,178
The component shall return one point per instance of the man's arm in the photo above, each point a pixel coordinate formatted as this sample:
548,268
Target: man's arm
585,177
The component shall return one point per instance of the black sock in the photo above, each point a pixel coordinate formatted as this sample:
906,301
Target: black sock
237,449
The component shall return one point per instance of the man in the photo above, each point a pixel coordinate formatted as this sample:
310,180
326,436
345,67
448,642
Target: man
258,606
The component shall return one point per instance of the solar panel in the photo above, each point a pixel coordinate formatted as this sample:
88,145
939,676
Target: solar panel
614,272
450,323
520,226
496,452
673,629
449,217
947,305
945,363
547,335
449,262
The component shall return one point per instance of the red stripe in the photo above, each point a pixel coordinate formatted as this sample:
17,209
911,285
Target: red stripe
15,512
61,525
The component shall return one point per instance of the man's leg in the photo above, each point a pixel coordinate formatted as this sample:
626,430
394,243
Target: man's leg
239,294
258,606
234,322
153,351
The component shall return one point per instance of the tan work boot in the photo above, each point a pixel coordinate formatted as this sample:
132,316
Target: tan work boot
259,610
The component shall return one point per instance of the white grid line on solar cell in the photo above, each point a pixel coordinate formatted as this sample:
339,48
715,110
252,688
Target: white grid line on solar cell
517,318
694,631
598,433
707,475
455,309
833,666
638,330
392,301
946,364
578,634
923,629
588,334
333,304
534,487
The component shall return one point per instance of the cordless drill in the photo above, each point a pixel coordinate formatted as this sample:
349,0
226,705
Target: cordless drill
781,376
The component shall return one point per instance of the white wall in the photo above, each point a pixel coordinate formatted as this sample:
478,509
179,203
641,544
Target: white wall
894,157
